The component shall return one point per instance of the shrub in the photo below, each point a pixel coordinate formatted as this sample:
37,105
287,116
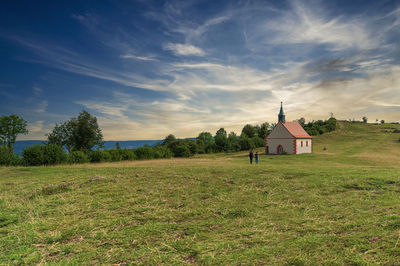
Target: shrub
246,143
162,152
115,155
53,154
78,157
7,157
48,154
182,149
99,156
258,142
127,154
33,155
144,152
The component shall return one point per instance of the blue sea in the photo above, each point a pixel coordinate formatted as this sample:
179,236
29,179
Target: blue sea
110,144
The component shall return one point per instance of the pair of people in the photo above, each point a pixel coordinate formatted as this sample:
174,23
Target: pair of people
251,155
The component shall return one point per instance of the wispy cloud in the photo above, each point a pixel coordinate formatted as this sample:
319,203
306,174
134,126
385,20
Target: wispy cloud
303,25
184,49
140,58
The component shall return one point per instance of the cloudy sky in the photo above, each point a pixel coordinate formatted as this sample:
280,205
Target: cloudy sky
150,68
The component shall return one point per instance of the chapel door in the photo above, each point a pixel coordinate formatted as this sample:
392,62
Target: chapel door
280,149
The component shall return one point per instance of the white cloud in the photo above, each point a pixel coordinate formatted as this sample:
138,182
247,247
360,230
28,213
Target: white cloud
310,24
135,57
36,127
184,49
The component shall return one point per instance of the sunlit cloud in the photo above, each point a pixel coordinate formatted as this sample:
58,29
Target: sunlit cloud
184,49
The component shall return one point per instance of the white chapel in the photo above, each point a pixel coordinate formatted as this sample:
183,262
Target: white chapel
287,138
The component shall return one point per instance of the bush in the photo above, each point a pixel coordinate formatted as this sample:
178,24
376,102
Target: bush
115,155
182,149
33,155
7,157
53,154
127,154
48,154
144,152
258,142
246,143
78,157
319,127
162,152
99,156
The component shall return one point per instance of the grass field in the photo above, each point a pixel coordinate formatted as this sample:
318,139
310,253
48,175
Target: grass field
335,206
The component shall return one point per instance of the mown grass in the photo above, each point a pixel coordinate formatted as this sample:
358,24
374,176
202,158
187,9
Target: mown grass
335,206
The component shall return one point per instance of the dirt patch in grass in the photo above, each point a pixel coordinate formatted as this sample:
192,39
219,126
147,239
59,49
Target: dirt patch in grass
52,189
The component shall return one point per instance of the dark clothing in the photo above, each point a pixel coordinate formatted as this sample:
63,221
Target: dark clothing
256,157
251,157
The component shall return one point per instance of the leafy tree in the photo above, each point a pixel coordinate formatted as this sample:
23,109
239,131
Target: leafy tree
10,127
264,130
246,143
181,149
205,142
169,140
382,121
249,131
302,121
221,140
258,142
233,142
78,134
365,119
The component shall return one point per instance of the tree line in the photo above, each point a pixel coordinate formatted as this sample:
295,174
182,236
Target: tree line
80,140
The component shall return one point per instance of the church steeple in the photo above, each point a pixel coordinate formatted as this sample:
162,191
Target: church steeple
281,116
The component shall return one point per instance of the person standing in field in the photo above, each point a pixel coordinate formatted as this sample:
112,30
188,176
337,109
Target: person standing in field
256,157
251,157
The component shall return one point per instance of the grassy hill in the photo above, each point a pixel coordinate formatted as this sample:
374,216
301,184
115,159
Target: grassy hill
335,206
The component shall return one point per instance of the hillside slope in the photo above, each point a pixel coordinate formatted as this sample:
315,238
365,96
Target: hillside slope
338,206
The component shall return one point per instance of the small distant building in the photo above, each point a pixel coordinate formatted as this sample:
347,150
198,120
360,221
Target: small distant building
287,138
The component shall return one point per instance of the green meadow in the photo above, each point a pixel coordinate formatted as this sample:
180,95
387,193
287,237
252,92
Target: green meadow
339,205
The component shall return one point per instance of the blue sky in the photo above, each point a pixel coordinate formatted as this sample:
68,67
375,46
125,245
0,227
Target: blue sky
150,68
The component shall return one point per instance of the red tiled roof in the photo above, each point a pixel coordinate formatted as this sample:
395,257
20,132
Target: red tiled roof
296,130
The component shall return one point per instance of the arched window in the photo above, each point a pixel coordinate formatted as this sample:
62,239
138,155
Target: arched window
301,143
306,143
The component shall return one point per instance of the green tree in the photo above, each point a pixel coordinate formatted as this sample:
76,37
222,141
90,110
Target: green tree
205,142
382,121
221,140
264,130
302,121
169,140
365,119
233,142
10,127
78,134
249,131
